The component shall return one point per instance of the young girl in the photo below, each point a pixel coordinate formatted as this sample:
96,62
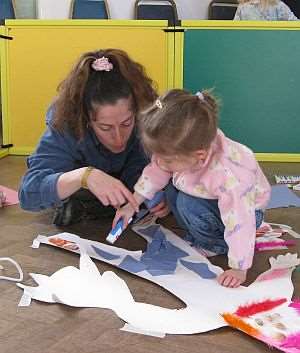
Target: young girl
218,191
264,10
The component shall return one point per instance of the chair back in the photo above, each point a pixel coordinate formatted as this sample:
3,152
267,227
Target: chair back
89,9
156,10
7,9
222,9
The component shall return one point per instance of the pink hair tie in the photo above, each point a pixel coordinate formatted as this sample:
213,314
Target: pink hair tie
200,95
102,64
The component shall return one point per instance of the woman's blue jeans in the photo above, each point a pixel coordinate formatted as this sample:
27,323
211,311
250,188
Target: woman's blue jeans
201,219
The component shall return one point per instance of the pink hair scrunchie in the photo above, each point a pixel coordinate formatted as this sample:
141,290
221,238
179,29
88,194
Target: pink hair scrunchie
102,64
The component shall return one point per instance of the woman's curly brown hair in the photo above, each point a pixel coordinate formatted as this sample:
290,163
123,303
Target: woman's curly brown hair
84,88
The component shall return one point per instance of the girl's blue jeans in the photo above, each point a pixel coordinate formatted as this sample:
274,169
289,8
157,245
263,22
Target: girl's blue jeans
201,220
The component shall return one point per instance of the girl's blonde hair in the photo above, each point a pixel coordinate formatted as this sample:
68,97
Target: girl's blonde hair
179,123
264,3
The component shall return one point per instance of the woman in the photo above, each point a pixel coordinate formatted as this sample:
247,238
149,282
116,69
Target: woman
90,156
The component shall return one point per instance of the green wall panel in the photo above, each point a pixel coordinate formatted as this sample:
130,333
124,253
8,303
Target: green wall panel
256,73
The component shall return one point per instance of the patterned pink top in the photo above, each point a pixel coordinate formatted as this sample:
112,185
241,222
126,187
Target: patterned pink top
229,174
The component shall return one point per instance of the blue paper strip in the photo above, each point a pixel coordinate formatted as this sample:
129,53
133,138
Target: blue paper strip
161,256
159,259
150,231
200,268
132,265
104,254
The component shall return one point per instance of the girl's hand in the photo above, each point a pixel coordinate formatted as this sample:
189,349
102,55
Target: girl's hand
160,210
109,190
126,212
232,278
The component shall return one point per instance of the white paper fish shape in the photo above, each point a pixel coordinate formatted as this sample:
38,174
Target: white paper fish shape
169,262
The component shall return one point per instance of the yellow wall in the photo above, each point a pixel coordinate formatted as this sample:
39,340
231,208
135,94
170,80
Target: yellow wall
42,53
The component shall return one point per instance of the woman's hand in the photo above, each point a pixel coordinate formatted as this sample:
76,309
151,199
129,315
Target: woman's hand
232,278
126,212
160,210
109,190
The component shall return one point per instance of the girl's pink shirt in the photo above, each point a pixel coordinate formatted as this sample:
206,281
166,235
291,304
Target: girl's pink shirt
229,174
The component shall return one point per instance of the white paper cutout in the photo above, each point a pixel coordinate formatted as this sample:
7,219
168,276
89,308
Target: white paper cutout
284,261
205,299
130,328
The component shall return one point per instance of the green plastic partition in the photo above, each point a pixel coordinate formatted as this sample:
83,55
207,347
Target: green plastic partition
256,73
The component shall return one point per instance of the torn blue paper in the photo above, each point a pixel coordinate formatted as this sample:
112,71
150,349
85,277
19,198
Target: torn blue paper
150,231
201,269
161,256
104,254
132,265
159,259
157,266
282,196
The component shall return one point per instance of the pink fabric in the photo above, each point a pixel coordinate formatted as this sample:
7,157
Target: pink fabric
11,196
229,174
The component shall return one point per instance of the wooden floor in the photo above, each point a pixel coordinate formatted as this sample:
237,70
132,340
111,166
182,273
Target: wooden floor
54,328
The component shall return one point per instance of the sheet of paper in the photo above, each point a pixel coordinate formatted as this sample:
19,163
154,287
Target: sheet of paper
282,196
193,281
11,196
